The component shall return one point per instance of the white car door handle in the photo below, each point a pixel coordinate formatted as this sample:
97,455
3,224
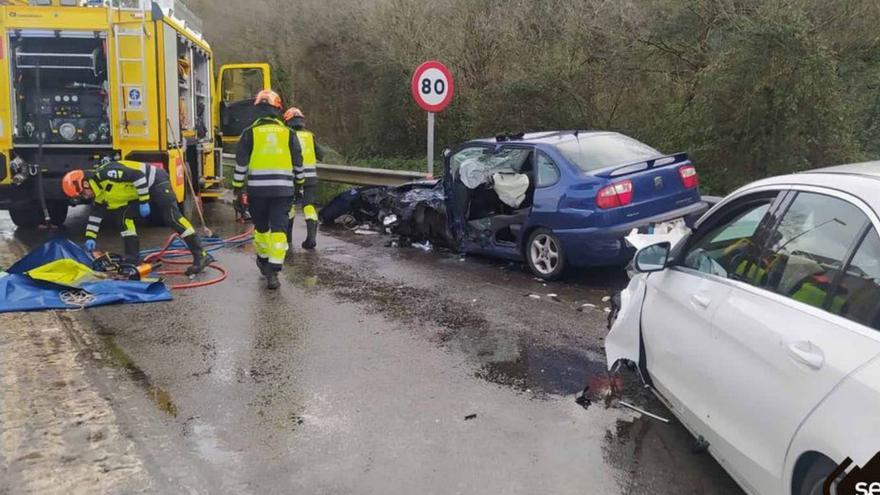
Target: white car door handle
807,353
701,301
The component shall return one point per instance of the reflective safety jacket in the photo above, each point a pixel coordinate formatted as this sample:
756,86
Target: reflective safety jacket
267,155
310,156
116,185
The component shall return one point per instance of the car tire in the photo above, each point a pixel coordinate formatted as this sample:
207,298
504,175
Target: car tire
26,217
813,478
545,255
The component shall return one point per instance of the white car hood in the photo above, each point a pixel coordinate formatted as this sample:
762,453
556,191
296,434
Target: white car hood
622,342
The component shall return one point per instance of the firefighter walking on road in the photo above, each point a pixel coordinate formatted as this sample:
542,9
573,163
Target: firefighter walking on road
306,177
267,155
121,188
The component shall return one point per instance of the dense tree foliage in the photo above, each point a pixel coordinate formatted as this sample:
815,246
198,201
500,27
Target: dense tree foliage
748,87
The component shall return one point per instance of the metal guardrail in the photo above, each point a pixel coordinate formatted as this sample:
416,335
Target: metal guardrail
362,176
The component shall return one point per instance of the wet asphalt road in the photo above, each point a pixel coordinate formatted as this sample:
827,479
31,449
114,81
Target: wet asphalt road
377,370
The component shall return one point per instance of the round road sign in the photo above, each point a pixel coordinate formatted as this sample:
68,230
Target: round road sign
432,86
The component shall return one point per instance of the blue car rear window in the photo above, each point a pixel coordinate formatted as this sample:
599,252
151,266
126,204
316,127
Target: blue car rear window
596,151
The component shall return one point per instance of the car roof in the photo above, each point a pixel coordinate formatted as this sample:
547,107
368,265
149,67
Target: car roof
871,169
544,137
862,180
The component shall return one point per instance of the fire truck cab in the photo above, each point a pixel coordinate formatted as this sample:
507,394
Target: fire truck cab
133,79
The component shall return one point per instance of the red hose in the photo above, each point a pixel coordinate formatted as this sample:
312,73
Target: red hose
160,256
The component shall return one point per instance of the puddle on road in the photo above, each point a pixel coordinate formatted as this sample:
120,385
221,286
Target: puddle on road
502,357
515,362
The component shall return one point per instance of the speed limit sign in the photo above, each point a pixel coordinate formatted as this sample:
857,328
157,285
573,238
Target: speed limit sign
432,86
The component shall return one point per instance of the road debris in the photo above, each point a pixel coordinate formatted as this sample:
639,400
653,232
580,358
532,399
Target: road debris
424,246
470,417
642,411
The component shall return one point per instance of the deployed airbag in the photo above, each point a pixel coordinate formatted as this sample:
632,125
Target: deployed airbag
511,188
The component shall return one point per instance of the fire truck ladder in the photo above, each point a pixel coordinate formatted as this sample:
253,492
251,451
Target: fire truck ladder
128,20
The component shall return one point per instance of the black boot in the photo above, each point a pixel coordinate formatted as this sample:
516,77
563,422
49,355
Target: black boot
311,235
132,247
272,281
201,258
263,265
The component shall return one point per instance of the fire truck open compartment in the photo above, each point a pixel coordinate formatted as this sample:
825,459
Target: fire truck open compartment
59,85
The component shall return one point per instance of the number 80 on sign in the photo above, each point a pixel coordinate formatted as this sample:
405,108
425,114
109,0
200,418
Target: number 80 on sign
432,86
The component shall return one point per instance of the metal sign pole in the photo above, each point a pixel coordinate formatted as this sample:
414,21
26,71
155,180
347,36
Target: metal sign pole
430,145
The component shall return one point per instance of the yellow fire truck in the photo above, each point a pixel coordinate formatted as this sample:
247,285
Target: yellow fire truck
83,79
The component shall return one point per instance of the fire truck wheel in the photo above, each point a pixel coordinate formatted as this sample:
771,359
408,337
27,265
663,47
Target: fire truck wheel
57,212
27,216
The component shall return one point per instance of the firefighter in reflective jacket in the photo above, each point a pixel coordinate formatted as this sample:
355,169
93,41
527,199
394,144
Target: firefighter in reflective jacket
116,187
306,177
267,155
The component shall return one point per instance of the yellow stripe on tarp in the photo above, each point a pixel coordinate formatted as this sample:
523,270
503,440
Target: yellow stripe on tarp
64,272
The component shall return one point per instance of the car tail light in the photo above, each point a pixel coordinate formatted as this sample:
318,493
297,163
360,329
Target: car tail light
689,176
617,194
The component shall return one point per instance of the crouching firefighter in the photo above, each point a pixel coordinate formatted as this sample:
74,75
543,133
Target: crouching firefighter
267,154
306,177
121,188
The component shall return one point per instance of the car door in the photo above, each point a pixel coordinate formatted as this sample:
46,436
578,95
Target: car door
680,304
777,348
457,195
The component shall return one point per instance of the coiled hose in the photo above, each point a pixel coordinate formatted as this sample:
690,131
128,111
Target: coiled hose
174,252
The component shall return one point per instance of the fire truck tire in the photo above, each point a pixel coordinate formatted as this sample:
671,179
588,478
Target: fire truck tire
26,217
57,212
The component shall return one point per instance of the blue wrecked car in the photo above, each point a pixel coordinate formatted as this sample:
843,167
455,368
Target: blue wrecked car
563,198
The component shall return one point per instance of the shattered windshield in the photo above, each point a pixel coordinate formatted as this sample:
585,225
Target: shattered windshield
478,168
594,151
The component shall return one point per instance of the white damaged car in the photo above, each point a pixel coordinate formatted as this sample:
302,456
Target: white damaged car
760,329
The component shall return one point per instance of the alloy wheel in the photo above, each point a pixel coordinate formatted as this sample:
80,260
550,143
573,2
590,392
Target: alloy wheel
544,253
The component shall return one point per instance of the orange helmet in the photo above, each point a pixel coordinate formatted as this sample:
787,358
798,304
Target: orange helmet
293,113
73,183
270,97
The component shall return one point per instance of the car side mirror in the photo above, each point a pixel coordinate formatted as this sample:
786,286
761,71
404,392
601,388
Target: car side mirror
653,258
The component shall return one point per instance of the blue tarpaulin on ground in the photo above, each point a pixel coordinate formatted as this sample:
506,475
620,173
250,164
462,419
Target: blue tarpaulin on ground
21,292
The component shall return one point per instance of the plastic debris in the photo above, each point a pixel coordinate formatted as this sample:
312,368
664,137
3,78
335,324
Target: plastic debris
606,298
534,296
470,417
365,232
424,246
389,220
642,411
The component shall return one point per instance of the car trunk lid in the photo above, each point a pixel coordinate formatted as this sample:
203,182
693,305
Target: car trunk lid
656,185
